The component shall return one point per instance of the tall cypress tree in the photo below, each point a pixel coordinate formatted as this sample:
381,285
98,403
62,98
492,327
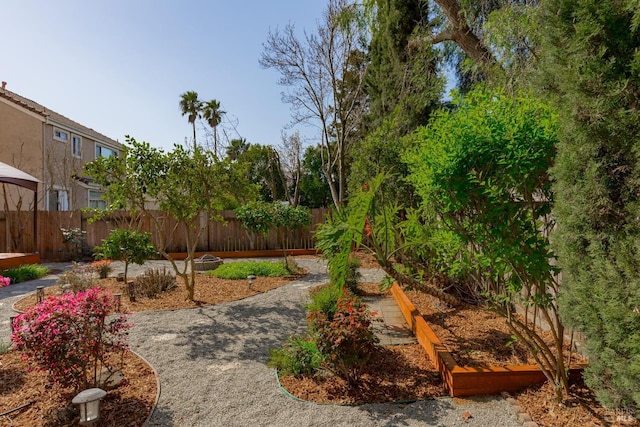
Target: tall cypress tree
592,67
400,76
402,86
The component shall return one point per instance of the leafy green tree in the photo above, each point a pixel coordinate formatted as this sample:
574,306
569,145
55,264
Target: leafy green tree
264,169
128,246
314,190
403,88
212,113
187,186
591,67
261,217
400,76
191,107
482,171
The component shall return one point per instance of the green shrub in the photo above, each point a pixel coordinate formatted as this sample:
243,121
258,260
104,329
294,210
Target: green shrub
347,341
25,272
299,356
79,278
325,300
154,282
240,270
353,275
128,246
5,347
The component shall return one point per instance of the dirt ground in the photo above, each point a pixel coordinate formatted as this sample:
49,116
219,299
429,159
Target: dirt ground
397,373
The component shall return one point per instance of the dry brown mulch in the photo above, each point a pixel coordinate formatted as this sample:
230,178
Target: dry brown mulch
394,374
208,290
478,337
579,408
128,405
474,336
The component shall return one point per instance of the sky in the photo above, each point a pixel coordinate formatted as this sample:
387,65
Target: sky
120,66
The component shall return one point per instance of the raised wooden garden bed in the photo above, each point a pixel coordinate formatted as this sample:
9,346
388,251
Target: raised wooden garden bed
461,380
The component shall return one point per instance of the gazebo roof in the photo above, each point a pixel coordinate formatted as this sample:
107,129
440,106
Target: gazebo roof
11,175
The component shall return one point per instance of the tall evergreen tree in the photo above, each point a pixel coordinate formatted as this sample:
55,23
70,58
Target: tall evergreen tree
402,87
400,76
591,65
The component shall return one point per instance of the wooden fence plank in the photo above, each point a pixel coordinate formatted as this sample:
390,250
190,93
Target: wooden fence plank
16,233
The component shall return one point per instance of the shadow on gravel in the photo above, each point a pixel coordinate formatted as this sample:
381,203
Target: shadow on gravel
244,331
162,417
428,411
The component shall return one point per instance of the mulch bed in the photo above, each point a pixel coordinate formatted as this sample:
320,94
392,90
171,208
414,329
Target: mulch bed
475,337
208,290
127,405
394,374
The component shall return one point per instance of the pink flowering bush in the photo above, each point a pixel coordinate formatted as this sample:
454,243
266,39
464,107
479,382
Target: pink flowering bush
72,336
4,281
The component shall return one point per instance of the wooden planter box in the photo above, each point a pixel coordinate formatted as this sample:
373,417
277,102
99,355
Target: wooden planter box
466,381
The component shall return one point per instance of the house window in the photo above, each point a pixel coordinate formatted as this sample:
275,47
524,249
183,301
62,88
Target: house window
95,200
104,151
58,200
76,146
60,135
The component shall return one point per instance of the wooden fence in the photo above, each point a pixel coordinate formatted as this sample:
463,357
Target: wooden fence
16,233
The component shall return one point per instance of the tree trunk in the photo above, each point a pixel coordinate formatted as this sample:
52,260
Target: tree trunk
462,34
401,278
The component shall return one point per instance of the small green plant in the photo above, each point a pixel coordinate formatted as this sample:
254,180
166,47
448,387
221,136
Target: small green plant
348,340
324,299
153,282
299,356
128,246
353,275
240,270
5,347
78,279
25,272
386,283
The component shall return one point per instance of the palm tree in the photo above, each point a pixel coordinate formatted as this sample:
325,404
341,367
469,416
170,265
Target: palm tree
212,113
191,106
237,148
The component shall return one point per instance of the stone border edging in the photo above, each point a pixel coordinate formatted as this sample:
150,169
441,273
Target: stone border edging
467,381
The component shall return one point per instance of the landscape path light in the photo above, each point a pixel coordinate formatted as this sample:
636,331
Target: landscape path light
89,403
251,278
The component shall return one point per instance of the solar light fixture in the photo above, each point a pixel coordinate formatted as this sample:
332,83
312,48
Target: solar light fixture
89,403
40,293
251,278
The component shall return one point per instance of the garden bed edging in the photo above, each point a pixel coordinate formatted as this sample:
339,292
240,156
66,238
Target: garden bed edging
467,381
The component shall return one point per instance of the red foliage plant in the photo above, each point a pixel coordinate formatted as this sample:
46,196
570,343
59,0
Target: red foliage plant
70,337
347,340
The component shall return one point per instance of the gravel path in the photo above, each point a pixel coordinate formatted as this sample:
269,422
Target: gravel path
212,367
